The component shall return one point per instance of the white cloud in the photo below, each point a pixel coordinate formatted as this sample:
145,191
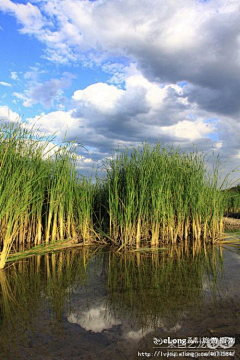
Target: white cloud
162,44
28,15
105,117
190,130
140,98
9,115
100,96
3,83
57,122
19,96
169,41
14,75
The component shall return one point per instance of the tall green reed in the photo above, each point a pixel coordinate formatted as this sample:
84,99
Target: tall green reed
42,196
149,196
233,199
162,195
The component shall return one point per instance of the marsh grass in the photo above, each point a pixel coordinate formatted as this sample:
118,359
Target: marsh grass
233,200
42,197
151,197
161,195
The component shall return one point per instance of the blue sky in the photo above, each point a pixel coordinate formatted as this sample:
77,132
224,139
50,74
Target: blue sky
117,73
22,62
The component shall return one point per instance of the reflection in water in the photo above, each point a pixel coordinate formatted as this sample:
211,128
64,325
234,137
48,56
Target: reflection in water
95,319
144,292
39,287
131,294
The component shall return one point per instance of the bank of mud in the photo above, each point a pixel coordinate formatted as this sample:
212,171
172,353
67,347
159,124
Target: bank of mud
232,222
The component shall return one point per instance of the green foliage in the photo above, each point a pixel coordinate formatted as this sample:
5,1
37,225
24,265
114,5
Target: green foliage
161,194
149,196
233,199
42,199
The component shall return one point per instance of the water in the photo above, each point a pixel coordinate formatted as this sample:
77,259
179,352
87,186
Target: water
97,304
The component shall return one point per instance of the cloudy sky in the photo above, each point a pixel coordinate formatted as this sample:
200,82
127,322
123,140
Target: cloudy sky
116,73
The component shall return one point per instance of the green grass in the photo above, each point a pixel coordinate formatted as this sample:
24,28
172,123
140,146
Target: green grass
42,198
161,195
150,197
233,199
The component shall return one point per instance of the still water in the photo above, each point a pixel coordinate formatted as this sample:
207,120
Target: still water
94,304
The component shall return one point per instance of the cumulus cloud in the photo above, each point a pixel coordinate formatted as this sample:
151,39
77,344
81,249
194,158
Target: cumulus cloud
189,130
57,122
100,96
135,113
7,114
105,117
169,41
174,69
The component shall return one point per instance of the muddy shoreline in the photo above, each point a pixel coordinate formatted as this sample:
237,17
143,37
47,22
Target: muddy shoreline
232,223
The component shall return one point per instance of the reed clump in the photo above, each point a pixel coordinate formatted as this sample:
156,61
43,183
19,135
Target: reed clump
149,196
42,197
161,195
233,199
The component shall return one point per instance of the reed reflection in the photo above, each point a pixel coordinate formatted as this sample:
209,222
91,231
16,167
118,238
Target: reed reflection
35,294
147,290
156,289
101,289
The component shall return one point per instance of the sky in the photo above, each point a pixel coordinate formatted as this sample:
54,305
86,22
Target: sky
116,73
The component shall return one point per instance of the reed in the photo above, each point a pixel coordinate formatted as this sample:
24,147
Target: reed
42,198
162,195
233,199
149,196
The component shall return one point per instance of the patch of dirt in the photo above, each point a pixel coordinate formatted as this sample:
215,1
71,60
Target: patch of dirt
231,223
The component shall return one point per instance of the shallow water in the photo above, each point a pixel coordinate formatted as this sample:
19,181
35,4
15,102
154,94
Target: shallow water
96,304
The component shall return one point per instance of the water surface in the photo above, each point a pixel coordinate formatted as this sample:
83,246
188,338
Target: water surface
97,304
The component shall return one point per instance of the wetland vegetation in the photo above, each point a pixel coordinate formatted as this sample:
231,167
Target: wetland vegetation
161,204
233,200
42,198
149,196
